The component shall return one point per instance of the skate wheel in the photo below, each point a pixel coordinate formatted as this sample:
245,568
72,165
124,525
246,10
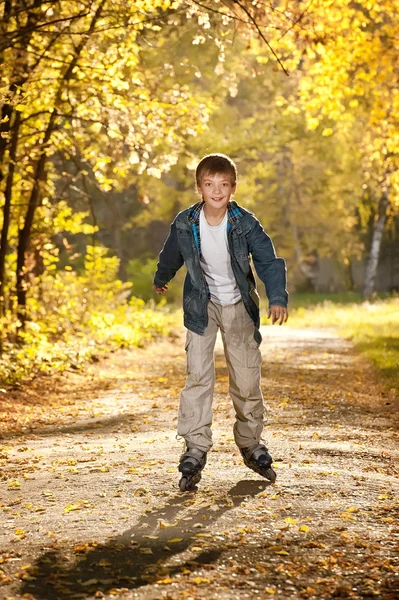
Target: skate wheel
183,484
187,484
271,475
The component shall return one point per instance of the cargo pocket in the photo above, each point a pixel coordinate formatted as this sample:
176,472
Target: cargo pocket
254,357
185,422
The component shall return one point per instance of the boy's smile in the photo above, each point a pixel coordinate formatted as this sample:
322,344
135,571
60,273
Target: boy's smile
216,191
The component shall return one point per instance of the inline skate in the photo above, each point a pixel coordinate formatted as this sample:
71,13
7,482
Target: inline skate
259,460
191,464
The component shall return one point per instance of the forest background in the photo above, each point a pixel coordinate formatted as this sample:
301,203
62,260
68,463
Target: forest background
107,106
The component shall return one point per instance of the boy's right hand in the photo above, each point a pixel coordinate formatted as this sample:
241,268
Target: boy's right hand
160,290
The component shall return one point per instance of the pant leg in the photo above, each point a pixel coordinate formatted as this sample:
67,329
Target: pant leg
195,411
244,363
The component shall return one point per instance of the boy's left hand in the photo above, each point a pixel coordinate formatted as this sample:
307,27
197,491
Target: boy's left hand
277,313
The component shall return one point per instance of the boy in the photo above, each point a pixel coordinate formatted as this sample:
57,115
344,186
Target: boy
214,239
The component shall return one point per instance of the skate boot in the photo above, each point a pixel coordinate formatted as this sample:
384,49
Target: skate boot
259,460
191,464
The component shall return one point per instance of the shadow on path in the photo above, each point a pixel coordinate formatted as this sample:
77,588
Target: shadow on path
140,555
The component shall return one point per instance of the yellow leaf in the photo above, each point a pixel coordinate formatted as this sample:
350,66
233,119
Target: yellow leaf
145,550
165,581
304,528
13,484
199,580
281,552
290,520
165,524
175,540
270,590
78,505
71,507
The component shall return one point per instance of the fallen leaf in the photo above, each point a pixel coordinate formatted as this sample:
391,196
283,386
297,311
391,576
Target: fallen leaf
14,484
165,524
199,580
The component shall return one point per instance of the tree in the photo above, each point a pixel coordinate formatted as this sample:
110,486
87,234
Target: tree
349,88
295,179
74,82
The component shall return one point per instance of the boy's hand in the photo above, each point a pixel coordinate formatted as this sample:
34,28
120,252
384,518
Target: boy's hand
277,313
160,290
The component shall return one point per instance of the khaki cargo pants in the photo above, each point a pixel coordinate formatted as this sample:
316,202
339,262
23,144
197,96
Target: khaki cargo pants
244,361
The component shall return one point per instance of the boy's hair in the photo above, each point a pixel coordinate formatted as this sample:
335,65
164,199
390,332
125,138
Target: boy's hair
213,164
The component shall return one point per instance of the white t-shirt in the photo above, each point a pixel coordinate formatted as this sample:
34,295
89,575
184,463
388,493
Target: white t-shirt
215,262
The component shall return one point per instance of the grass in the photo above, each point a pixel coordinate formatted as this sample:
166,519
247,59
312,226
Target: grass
372,326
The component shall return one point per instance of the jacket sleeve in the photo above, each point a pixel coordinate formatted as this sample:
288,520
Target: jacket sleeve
271,269
170,259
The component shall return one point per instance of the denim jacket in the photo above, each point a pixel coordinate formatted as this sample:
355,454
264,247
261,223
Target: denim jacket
245,237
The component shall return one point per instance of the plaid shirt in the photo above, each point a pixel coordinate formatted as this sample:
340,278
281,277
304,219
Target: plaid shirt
233,213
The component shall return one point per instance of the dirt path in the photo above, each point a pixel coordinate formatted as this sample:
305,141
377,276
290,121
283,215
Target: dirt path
91,508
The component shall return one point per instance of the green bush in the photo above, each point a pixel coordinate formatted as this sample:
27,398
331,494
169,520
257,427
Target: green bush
141,274
75,316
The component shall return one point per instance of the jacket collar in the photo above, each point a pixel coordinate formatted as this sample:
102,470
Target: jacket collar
234,213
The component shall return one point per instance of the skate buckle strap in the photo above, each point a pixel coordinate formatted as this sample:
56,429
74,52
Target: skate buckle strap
256,451
194,453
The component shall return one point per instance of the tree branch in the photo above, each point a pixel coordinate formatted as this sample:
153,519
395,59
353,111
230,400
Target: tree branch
260,33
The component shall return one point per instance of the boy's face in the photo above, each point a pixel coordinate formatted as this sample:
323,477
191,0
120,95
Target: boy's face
216,189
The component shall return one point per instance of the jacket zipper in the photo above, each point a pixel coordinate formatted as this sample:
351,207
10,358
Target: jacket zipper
229,239
199,263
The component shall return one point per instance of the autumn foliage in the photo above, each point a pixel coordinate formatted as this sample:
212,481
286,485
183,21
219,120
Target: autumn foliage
105,108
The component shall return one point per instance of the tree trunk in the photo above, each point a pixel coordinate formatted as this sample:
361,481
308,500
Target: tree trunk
294,193
25,232
20,74
7,206
376,238
6,110
351,279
